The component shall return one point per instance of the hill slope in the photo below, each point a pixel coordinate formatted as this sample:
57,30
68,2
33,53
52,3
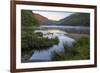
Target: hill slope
41,19
27,19
77,19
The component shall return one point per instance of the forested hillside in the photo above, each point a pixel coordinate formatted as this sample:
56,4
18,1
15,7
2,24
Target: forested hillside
27,18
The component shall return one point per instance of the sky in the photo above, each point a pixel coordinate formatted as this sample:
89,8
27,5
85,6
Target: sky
52,15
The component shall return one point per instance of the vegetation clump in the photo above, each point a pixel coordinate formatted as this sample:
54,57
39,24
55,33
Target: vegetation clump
34,41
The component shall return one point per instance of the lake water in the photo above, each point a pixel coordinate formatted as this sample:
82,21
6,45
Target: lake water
66,27
45,55
69,29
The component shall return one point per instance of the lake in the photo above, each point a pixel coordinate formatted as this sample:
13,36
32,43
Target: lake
69,29
56,31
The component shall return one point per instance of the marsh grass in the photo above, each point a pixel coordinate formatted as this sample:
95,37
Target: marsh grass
80,51
35,41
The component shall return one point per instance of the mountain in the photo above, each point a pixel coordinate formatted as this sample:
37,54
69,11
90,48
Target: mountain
40,18
43,20
27,19
77,19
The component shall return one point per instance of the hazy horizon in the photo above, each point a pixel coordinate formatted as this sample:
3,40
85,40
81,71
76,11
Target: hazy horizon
55,16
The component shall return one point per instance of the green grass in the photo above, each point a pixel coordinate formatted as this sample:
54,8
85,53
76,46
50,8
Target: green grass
80,51
35,41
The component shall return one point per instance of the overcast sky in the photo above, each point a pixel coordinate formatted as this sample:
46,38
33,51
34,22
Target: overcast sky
56,16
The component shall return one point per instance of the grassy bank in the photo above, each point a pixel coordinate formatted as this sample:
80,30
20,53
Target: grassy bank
77,36
31,41
36,41
80,51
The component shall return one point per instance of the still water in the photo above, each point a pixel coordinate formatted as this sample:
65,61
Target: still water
45,55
